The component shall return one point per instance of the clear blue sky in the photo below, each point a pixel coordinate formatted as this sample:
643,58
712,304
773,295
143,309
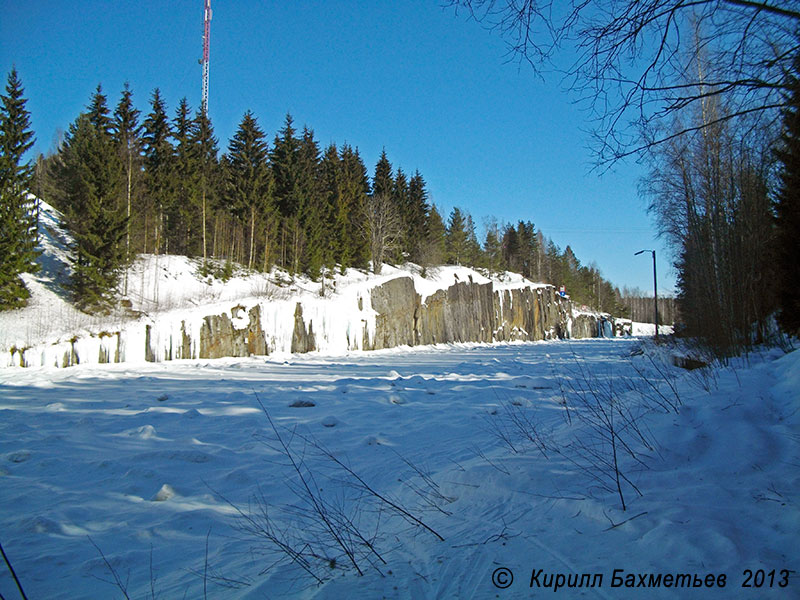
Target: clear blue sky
435,90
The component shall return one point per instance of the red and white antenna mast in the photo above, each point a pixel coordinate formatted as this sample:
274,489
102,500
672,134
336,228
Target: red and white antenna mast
206,52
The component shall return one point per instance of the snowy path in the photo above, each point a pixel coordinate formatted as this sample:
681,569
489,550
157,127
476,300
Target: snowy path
138,458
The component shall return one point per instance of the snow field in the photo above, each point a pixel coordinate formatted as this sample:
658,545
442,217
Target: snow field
150,461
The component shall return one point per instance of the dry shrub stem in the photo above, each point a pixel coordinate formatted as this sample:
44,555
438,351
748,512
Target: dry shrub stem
336,527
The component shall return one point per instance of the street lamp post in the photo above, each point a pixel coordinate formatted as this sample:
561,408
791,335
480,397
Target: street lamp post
655,286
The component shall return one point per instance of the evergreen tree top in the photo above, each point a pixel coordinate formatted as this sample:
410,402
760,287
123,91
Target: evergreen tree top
309,163
456,220
126,127
286,143
16,137
248,143
353,169
287,131
331,152
202,137
17,223
157,130
98,112
383,182
435,222
246,168
309,144
418,191
182,123
400,181
158,112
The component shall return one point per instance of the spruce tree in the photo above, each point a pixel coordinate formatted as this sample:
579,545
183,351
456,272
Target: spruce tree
416,216
313,211
553,264
184,216
354,251
331,189
383,181
456,238
787,210
247,180
205,166
158,163
511,249
474,256
570,272
17,214
402,199
492,247
526,236
284,158
98,113
435,249
127,137
90,176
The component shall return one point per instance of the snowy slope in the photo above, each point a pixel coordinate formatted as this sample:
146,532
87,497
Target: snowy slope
49,314
150,465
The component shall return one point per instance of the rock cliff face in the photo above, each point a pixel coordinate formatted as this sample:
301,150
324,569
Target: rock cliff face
464,312
470,312
584,325
219,336
531,314
385,316
397,307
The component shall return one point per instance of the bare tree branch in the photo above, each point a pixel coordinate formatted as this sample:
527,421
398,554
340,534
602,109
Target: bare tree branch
783,12
382,226
637,61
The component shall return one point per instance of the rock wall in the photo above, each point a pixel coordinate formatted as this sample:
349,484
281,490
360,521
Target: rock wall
388,315
397,306
471,312
584,325
464,312
531,314
219,337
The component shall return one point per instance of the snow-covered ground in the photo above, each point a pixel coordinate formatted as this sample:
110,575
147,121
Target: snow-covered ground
145,472
649,329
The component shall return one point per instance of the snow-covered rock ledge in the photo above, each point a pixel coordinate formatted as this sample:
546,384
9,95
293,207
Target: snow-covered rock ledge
395,310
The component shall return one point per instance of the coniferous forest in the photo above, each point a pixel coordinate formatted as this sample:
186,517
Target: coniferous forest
157,181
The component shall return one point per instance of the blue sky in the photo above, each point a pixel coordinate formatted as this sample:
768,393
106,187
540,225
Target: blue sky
435,90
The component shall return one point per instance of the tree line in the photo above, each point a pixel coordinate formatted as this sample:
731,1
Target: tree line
641,307
130,184
707,94
726,199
